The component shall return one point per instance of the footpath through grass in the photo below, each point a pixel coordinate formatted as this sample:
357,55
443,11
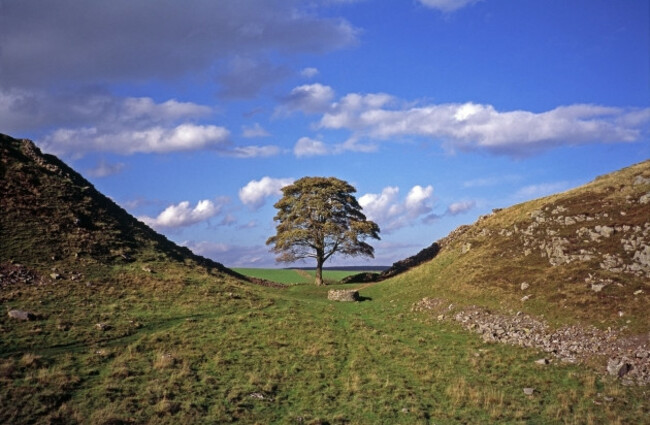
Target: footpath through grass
200,349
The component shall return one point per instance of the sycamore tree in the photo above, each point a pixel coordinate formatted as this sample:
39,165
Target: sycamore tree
318,217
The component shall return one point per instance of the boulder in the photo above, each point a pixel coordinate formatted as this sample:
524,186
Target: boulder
22,315
343,295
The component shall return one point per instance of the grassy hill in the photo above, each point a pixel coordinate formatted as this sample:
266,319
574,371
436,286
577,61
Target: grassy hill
127,328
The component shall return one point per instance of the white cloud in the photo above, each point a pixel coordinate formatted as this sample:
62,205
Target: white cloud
252,151
471,126
105,169
460,207
308,98
306,147
255,192
184,137
447,5
256,130
33,110
309,72
391,214
183,215
418,200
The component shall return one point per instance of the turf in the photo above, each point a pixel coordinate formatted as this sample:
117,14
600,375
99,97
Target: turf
208,349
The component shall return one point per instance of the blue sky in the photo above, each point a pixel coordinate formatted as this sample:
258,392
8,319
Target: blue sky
192,115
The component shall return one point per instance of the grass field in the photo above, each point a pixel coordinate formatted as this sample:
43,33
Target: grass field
295,276
193,348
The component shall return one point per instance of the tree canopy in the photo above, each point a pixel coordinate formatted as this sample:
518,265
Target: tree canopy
318,217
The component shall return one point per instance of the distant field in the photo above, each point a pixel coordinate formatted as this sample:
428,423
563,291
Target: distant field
295,276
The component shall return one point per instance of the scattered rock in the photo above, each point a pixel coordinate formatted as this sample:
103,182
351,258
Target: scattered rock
146,269
542,361
524,286
529,391
465,248
55,276
343,295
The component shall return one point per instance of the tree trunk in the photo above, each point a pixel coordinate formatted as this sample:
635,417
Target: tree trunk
319,271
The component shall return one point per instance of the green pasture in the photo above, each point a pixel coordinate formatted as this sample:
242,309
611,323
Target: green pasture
195,348
295,276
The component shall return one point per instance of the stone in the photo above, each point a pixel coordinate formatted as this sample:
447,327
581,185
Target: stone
465,248
529,391
597,287
542,361
55,276
618,367
524,286
22,315
645,199
343,295
102,326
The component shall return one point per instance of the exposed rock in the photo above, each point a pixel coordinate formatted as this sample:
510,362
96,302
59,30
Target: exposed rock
542,361
343,295
570,344
465,248
639,180
645,199
22,315
102,326
529,391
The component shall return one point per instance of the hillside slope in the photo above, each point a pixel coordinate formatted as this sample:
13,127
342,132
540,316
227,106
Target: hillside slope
53,217
568,274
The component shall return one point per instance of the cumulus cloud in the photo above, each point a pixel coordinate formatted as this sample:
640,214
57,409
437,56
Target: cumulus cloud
390,213
183,215
140,40
184,137
447,5
22,110
308,98
255,192
471,126
306,147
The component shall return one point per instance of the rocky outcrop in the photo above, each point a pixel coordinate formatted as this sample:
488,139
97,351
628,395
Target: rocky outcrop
627,358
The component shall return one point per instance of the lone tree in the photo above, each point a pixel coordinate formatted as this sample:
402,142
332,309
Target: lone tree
318,217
